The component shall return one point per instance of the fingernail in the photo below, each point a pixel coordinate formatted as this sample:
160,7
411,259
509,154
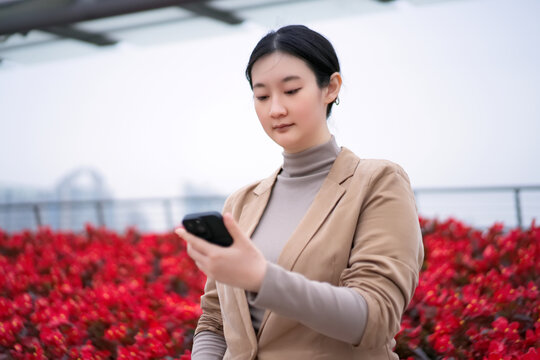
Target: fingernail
179,229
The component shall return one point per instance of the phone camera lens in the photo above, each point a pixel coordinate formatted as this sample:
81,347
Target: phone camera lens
201,229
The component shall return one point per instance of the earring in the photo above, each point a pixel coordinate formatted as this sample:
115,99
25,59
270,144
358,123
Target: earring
336,101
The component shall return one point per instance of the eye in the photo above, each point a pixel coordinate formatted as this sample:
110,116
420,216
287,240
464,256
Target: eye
261,98
293,91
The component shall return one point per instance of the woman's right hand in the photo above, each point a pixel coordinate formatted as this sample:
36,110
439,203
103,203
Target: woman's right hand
240,265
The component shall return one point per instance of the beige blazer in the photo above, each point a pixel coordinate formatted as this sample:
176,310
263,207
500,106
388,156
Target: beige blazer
361,231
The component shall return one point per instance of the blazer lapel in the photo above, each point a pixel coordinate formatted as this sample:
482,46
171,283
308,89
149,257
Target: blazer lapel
253,210
326,199
251,214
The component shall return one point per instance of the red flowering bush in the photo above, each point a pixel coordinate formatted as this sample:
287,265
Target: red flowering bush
96,295
101,295
478,296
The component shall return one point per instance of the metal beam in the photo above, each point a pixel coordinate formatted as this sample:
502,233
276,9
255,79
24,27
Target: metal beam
38,14
82,35
203,9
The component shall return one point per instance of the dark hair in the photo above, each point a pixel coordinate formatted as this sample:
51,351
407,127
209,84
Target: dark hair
300,41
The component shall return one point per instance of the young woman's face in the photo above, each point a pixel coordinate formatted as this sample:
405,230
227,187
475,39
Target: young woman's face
290,105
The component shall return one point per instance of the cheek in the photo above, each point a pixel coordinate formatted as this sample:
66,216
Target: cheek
307,107
261,112
258,109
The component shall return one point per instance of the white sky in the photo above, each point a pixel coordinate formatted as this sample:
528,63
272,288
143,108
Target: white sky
450,91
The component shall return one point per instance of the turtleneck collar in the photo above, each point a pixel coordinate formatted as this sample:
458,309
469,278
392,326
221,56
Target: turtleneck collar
311,161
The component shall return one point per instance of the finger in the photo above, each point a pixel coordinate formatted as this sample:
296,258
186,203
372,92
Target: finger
197,256
233,227
200,260
199,265
176,230
202,246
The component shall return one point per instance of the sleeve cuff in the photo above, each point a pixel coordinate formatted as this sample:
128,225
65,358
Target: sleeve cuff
263,298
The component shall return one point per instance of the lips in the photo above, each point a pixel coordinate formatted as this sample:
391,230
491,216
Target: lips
282,126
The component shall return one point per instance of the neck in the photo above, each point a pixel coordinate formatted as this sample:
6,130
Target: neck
322,138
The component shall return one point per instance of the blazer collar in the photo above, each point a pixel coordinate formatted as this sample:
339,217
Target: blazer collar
253,210
266,184
344,166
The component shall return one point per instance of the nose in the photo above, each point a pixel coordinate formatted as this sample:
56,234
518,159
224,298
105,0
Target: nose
276,108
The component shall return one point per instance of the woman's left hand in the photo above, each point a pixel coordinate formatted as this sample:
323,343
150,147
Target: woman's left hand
240,265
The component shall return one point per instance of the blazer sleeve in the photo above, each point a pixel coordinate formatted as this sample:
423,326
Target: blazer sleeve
387,253
211,310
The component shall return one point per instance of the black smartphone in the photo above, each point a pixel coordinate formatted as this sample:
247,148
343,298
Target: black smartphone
209,226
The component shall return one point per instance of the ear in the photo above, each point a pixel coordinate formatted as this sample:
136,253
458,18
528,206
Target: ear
332,90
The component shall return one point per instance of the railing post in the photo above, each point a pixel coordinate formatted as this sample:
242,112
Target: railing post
167,206
99,212
37,214
518,207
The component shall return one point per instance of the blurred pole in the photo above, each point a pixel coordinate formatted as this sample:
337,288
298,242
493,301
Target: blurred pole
518,207
167,207
37,214
99,212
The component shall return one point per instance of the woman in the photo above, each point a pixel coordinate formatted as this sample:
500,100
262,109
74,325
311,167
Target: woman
327,250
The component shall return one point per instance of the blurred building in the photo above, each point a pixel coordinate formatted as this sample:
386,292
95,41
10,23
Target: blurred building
82,197
64,206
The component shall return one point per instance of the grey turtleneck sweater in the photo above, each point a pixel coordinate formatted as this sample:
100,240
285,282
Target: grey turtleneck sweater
337,312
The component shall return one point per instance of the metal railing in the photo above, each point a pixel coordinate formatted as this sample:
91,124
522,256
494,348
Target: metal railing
146,214
509,198
516,206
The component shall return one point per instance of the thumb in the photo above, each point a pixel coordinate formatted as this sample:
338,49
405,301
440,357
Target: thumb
233,228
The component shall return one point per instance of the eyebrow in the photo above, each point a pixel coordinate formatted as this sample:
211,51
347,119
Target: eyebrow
285,79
